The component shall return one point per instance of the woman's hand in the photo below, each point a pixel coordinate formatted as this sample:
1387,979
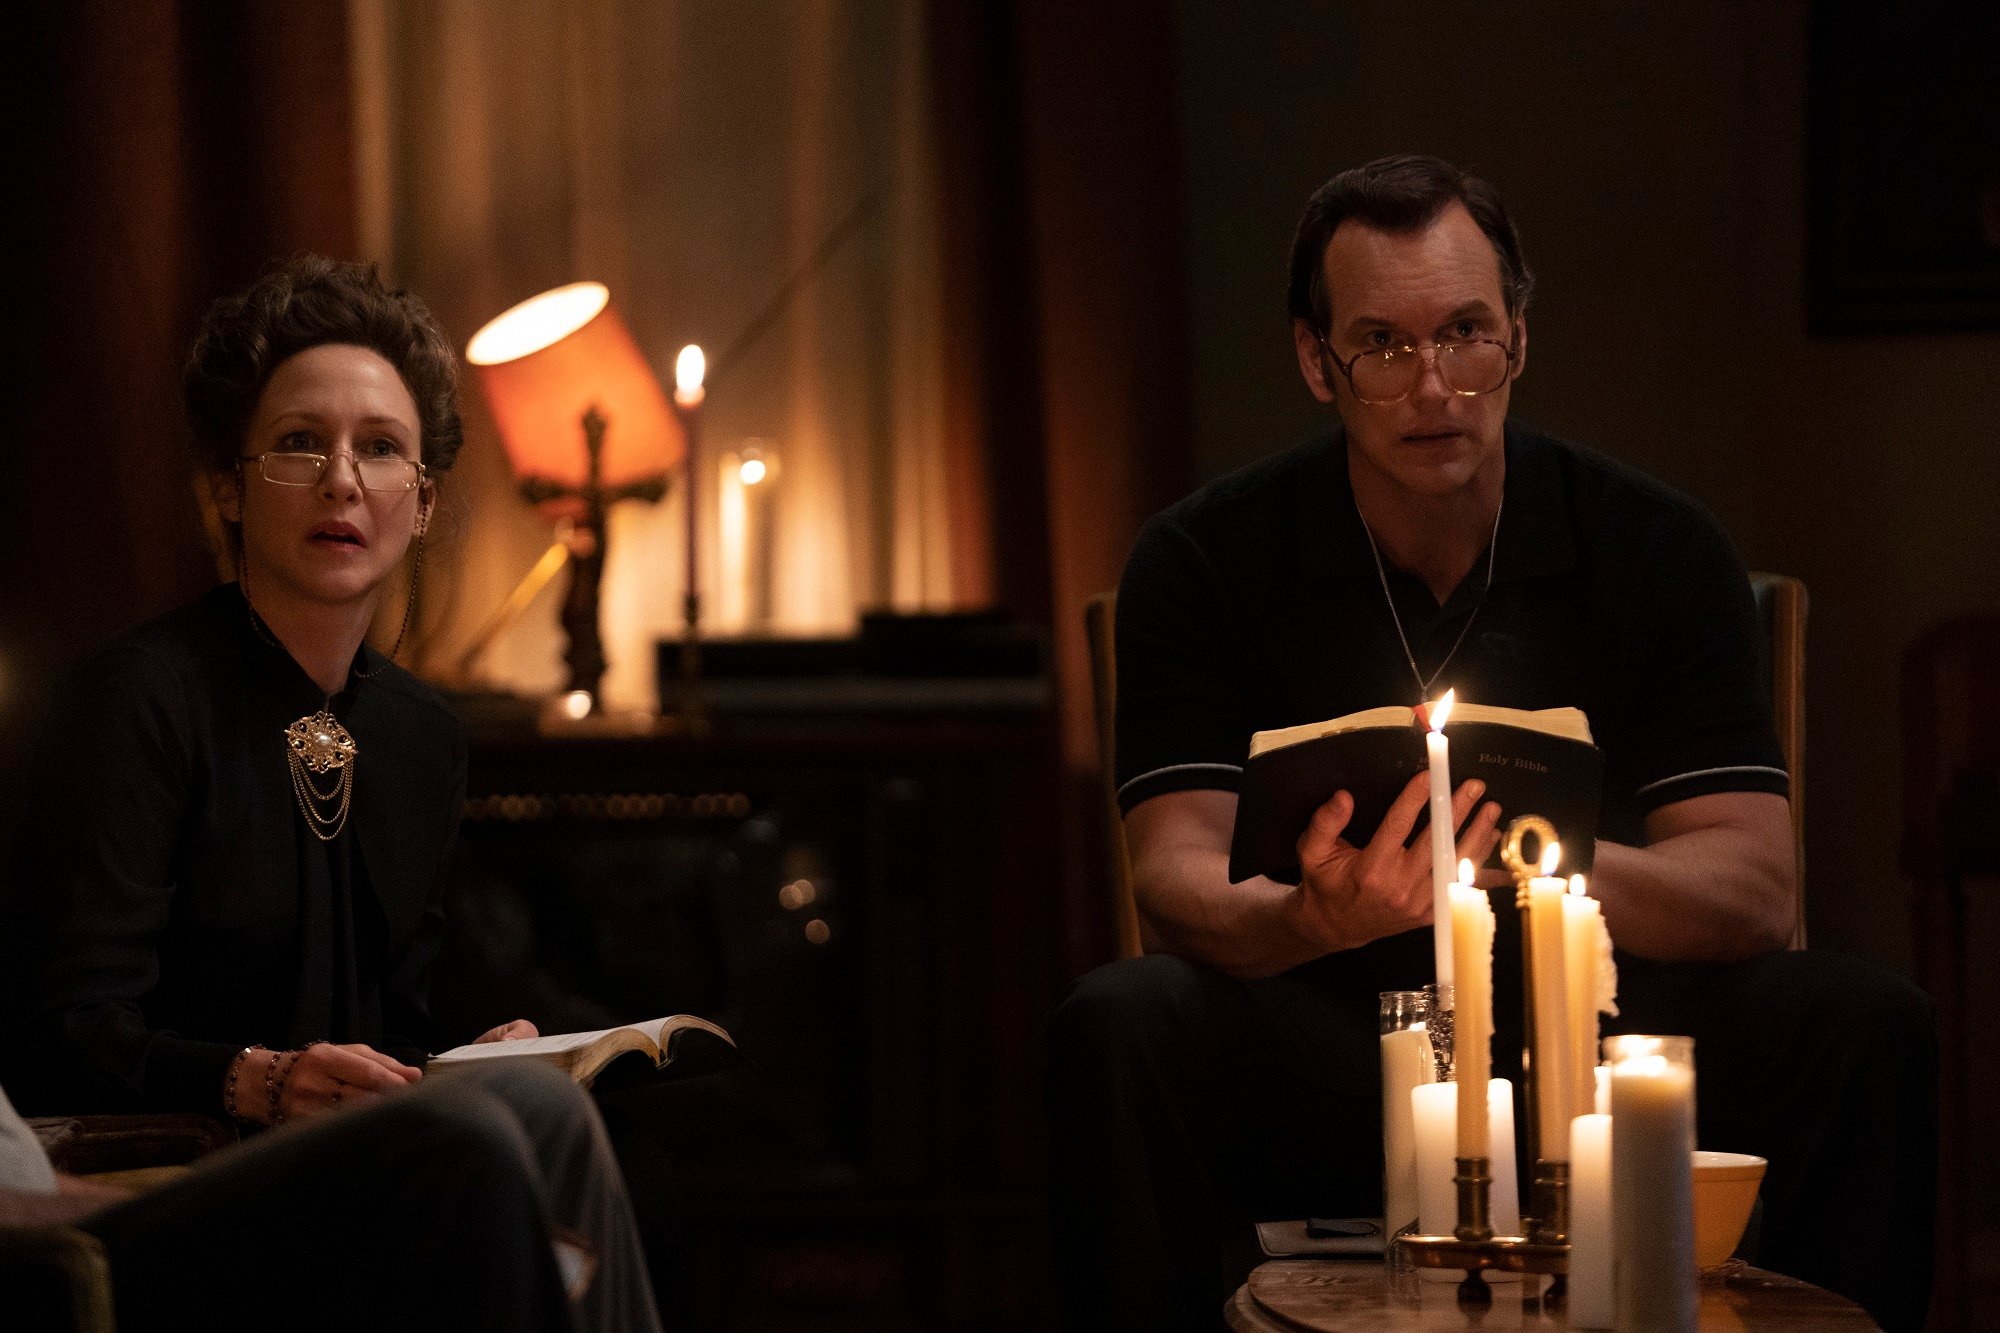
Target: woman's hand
517,1030
318,1079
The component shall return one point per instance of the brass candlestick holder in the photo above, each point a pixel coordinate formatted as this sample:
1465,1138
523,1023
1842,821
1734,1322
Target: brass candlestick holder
1544,1245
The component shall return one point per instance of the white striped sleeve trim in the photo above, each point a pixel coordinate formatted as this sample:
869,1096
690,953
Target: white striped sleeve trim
1179,768
1711,772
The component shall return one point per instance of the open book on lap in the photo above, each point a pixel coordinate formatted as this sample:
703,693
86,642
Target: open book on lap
1532,762
681,1045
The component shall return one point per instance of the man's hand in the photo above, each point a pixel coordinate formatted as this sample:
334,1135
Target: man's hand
1179,845
1349,896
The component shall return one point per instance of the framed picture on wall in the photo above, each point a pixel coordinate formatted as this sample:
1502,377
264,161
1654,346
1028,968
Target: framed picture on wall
1903,169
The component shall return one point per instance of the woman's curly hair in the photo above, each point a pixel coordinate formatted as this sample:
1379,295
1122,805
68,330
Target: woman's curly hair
305,302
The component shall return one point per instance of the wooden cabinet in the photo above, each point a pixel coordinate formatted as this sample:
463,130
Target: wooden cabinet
868,903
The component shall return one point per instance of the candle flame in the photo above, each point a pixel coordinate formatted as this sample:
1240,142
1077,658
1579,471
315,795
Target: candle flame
1441,710
1576,886
1464,871
689,367
1552,856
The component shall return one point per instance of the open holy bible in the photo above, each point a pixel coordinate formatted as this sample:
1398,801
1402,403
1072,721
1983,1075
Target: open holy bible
680,1045
1532,762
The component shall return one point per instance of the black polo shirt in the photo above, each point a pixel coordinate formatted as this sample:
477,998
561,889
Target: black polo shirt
1256,603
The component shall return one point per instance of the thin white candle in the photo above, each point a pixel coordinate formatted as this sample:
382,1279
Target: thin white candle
1472,1033
1583,944
1439,751
1505,1204
1555,1089
1592,1298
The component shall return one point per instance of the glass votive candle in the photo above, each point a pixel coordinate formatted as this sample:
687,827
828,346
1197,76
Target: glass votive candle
1652,1181
1406,1063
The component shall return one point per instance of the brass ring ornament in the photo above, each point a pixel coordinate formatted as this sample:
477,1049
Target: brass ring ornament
1518,865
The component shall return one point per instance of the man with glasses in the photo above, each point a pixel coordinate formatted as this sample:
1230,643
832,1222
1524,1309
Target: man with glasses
1426,543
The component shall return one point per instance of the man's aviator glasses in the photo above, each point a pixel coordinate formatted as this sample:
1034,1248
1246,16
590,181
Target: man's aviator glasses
1385,375
285,468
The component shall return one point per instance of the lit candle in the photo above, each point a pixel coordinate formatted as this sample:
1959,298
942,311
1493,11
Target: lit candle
1591,980
1652,1182
1442,827
689,369
1591,1295
1472,956
1555,1088
1406,1065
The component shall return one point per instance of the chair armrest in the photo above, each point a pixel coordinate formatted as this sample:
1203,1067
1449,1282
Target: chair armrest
86,1144
59,1265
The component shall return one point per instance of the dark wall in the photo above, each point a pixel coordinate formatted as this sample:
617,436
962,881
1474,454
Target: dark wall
1654,157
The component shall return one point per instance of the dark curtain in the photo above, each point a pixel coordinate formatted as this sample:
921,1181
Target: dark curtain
167,151
160,154
1059,201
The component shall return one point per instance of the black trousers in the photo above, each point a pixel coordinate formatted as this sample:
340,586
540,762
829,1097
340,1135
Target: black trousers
432,1209
1185,1105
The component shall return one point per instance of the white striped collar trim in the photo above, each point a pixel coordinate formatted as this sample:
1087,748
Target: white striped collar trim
1711,772
1180,768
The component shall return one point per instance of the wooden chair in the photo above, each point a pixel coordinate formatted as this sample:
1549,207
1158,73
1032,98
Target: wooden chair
59,1277
1951,838
1781,609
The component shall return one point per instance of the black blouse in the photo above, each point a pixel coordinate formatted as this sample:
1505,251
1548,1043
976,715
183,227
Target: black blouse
183,908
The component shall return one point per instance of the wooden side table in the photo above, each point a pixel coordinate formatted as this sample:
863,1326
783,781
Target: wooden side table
1342,1296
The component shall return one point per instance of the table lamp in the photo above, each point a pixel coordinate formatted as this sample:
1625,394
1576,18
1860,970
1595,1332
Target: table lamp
585,425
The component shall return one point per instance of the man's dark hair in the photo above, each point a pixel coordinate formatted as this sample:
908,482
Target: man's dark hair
307,302
1404,193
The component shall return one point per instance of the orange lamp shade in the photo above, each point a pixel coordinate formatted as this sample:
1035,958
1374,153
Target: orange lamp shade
544,363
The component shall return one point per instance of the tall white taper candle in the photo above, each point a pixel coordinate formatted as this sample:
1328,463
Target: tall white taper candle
1444,857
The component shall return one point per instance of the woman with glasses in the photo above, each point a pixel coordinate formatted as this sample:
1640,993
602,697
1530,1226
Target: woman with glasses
246,817
248,807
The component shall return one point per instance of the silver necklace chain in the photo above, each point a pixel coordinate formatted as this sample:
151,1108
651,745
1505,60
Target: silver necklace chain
1382,574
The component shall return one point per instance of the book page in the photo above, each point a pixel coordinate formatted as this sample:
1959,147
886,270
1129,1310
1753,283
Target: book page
558,1044
1361,721
1569,722
659,1028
